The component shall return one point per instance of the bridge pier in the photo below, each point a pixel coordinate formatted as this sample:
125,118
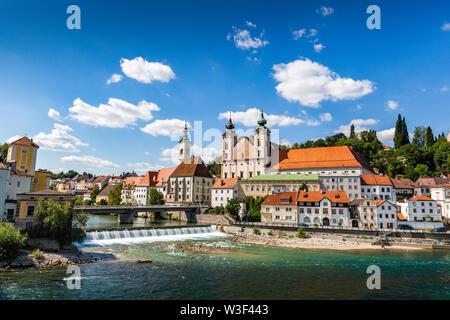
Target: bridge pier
125,218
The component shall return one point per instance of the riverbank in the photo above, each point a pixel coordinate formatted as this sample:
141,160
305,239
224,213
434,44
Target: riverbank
25,259
321,242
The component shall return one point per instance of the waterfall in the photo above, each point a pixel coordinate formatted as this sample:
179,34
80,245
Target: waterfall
129,236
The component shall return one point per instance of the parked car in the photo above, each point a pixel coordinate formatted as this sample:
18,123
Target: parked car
404,227
303,225
441,229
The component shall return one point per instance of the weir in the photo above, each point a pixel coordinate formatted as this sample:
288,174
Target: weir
128,236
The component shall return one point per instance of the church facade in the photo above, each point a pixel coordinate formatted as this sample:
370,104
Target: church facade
246,157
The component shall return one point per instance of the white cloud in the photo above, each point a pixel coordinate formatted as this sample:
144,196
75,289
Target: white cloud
318,47
114,78
312,33
143,167
358,107
325,11
386,136
312,123
360,125
207,153
326,117
285,142
52,113
444,89
391,104
298,33
309,83
146,72
244,40
115,114
446,26
250,117
13,138
89,161
169,127
249,24
147,153
59,139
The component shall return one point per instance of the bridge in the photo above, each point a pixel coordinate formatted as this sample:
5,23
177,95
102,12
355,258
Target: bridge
125,214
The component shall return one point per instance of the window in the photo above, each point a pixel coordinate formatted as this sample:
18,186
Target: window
18,184
30,211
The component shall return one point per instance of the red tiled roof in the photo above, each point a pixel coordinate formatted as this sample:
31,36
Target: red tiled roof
324,157
25,142
373,179
400,216
275,199
403,183
149,180
163,176
225,183
420,198
317,196
428,182
131,181
192,167
100,179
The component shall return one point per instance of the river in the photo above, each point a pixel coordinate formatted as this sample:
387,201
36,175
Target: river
248,272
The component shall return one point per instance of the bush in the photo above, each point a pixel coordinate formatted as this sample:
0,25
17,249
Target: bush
11,240
256,231
232,208
60,222
270,233
37,254
301,233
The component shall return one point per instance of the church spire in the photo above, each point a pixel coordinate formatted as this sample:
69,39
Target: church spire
261,121
230,124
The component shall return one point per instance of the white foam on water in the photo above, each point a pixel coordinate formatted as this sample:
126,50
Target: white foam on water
105,238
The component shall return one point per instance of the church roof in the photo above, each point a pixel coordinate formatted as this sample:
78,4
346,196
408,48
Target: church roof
323,157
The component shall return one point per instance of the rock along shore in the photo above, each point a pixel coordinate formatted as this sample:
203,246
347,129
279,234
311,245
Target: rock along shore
50,259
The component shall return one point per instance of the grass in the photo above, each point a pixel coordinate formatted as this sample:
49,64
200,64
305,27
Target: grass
37,254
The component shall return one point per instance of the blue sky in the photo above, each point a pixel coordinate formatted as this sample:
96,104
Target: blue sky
314,66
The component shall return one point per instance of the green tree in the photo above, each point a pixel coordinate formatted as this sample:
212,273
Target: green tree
232,208
214,166
60,222
154,197
405,133
3,152
398,134
115,195
95,192
254,208
421,170
419,136
11,240
352,131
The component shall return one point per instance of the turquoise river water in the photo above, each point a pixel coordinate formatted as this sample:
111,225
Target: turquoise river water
248,272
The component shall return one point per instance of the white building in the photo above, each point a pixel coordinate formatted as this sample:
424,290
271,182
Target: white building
377,187
18,182
441,193
224,190
245,157
163,178
143,186
375,214
421,212
323,208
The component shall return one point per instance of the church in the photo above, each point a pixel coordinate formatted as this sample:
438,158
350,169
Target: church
246,157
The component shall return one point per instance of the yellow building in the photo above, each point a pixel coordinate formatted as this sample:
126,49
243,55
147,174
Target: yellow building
28,203
280,208
23,152
41,180
264,185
